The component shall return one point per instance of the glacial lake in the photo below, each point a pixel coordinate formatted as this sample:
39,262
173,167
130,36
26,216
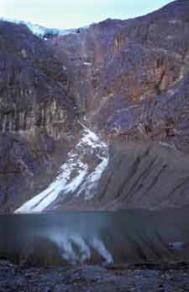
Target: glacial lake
121,237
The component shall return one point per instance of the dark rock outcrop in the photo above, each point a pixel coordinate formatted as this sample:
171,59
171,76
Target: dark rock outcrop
36,114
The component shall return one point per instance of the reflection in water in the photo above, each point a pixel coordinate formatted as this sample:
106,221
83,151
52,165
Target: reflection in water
95,237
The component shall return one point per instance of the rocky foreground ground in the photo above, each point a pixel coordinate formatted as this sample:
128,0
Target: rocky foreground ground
163,277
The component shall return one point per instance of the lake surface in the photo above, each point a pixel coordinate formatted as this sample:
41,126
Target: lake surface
95,237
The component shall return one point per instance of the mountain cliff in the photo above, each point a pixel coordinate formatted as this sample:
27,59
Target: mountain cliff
97,119
36,114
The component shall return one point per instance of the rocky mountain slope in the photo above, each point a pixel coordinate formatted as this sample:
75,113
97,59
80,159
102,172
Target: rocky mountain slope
132,72
42,31
127,81
36,114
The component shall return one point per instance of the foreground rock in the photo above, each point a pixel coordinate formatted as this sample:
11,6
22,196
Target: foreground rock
164,277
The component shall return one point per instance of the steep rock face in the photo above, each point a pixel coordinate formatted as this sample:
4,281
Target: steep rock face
36,114
124,68
128,82
32,83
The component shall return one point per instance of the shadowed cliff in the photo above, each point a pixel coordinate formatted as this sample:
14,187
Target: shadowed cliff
36,114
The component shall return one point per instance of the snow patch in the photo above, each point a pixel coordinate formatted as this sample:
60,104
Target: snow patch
167,145
87,64
40,30
75,176
62,184
92,179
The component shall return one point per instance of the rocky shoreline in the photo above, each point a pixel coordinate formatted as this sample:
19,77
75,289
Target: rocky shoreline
144,277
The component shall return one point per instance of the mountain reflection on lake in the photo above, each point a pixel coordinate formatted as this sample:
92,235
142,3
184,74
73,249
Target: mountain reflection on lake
121,237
